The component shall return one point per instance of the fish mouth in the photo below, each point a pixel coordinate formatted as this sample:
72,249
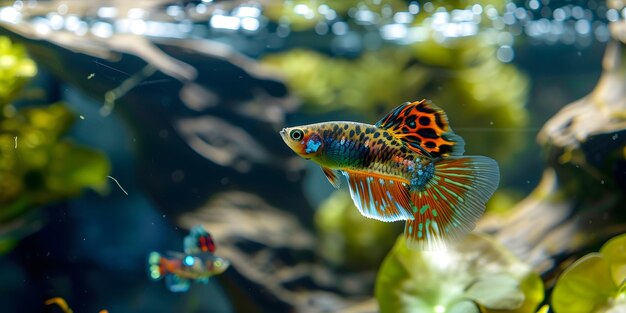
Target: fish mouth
283,133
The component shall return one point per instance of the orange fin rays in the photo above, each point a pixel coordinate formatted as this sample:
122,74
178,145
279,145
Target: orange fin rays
333,176
381,197
423,127
451,202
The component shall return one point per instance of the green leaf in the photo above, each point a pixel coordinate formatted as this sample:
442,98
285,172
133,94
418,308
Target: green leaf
615,253
477,268
544,309
584,287
463,307
497,292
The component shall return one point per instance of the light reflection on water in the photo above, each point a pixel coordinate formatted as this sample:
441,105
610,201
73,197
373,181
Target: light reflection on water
539,21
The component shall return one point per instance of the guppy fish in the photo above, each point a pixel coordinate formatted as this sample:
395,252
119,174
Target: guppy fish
408,166
198,263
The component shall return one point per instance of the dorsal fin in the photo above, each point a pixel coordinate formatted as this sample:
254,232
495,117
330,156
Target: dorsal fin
199,240
422,126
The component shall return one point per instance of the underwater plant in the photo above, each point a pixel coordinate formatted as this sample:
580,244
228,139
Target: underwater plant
37,165
15,70
595,283
302,15
476,275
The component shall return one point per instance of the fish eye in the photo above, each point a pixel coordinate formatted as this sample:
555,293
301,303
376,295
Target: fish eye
296,134
188,260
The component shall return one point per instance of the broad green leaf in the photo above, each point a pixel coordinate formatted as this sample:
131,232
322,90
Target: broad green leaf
463,307
478,269
544,309
497,292
532,287
584,287
615,253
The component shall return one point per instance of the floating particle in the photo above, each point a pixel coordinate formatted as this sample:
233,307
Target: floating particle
91,75
81,117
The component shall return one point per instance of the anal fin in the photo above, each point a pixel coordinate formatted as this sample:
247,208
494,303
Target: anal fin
451,202
176,283
381,197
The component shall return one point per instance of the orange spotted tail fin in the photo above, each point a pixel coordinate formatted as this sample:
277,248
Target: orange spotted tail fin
451,202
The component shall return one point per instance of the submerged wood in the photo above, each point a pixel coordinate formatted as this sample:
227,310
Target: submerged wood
580,202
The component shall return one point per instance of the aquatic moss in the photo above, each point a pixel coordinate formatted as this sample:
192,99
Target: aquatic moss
595,283
15,70
308,13
303,15
38,166
325,84
476,275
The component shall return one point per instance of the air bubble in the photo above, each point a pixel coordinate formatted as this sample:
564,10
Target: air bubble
505,54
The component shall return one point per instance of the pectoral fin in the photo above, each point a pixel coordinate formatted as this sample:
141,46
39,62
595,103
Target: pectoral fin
333,176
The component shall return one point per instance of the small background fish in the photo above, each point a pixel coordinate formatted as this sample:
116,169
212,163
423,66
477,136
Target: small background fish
198,263
408,166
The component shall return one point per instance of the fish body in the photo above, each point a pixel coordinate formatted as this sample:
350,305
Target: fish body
408,166
364,147
198,263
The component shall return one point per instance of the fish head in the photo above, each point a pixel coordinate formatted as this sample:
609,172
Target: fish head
305,140
216,265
